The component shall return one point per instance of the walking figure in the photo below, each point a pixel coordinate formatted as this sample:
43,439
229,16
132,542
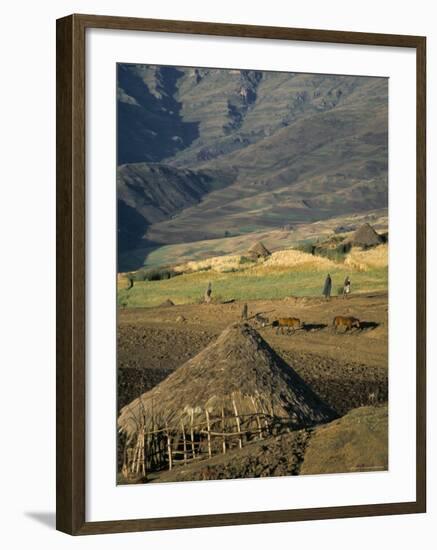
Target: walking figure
208,293
346,287
327,287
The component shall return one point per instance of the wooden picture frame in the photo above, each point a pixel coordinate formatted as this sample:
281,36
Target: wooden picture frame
71,252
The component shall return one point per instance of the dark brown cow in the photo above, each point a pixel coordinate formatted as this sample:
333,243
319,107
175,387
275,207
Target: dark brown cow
289,322
348,322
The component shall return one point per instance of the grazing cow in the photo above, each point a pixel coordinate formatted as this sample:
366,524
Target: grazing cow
348,322
290,322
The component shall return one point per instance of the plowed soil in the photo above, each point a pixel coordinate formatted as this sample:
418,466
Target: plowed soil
347,370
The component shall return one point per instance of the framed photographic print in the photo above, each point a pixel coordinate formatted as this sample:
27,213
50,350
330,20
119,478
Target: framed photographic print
240,274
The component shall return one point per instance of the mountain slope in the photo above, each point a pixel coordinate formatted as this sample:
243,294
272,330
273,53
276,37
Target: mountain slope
294,148
149,122
149,193
317,168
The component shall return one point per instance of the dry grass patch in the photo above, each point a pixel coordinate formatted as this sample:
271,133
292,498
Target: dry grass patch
363,260
123,281
219,264
297,260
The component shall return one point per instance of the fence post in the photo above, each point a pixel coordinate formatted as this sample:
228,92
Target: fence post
223,430
143,453
185,443
193,449
209,432
237,418
169,451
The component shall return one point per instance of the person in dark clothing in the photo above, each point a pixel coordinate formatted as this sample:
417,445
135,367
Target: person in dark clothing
327,287
208,293
346,287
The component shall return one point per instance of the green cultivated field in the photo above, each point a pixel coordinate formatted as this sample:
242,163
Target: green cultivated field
272,284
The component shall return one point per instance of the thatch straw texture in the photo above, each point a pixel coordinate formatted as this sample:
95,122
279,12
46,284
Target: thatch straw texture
237,375
217,263
259,250
365,235
362,260
297,260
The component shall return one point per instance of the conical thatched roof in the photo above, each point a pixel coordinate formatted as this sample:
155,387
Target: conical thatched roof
259,250
239,370
365,235
167,303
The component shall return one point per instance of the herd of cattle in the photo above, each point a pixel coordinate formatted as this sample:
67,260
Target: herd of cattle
292,324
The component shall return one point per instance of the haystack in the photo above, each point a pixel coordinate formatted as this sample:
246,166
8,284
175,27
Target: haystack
235,390
366,236
258,250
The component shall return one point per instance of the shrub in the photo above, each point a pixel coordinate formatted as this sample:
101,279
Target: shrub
344,248
246,260
122,299
155,274
136,276
334,254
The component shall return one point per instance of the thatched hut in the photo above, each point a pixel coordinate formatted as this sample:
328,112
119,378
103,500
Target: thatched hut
236,390
258,250
167,303
366,237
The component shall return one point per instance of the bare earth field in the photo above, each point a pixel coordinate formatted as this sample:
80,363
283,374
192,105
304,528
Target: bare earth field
347,370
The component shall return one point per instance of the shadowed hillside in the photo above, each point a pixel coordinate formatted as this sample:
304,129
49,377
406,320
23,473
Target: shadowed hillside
148,193
284,148
149,123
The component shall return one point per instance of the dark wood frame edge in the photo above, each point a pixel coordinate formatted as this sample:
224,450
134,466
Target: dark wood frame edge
70,275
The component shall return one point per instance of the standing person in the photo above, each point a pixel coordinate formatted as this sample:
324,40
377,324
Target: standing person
208,293
346,287
327,287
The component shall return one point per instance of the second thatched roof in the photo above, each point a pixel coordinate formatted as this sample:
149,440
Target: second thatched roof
259,250
366,236
237,371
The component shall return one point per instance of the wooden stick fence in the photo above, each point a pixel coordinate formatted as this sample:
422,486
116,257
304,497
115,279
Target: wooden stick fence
208,432
164,447
237,419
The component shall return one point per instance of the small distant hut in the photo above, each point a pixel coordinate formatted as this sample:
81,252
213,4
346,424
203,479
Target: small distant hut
366,237
236,390
167,303
258,250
